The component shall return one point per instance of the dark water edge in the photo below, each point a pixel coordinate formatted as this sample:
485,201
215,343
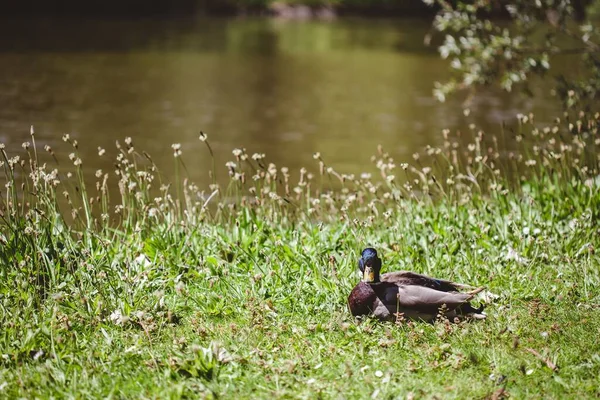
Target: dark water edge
212,7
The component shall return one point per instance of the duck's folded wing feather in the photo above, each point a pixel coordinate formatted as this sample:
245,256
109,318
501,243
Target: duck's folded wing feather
412,278
420,297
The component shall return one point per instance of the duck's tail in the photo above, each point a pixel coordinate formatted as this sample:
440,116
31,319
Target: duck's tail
468,309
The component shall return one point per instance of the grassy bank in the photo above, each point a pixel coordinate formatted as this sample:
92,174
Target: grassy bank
162,290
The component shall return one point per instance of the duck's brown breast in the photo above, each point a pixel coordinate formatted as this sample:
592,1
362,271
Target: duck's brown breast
361,299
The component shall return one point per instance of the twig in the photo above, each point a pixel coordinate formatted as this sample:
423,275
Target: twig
540,357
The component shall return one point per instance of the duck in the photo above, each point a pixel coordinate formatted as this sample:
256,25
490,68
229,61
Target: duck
408,294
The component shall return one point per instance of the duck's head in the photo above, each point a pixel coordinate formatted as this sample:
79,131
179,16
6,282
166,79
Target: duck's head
369,265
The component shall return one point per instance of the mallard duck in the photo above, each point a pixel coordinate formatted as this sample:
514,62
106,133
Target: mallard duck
413,295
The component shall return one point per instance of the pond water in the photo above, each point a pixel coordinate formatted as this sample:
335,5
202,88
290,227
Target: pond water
284,88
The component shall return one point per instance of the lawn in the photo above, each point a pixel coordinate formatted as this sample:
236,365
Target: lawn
130,287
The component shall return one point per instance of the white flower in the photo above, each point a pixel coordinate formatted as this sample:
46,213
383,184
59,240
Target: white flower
176,149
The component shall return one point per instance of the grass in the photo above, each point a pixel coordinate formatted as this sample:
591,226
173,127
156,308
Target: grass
140,289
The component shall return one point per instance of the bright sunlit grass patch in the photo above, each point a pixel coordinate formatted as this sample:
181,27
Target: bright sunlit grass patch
130,286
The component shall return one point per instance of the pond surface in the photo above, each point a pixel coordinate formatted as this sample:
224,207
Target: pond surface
284,88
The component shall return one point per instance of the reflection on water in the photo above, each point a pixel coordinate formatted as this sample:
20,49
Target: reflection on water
284,88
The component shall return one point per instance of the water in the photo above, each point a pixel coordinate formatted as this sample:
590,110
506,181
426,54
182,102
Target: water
284,88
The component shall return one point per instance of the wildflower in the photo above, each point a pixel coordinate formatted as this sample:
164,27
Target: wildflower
72,156
258,156
128,141
77,162
404,166
26,145
426,170
176,149
203,136
66,137
530,163
236,152
13,161
152,212
365,176
101,151
317,155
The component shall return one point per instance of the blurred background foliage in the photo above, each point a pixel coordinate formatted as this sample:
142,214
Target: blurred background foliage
484,51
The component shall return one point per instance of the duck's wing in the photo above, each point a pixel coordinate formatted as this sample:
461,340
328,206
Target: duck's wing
424,299
412,278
